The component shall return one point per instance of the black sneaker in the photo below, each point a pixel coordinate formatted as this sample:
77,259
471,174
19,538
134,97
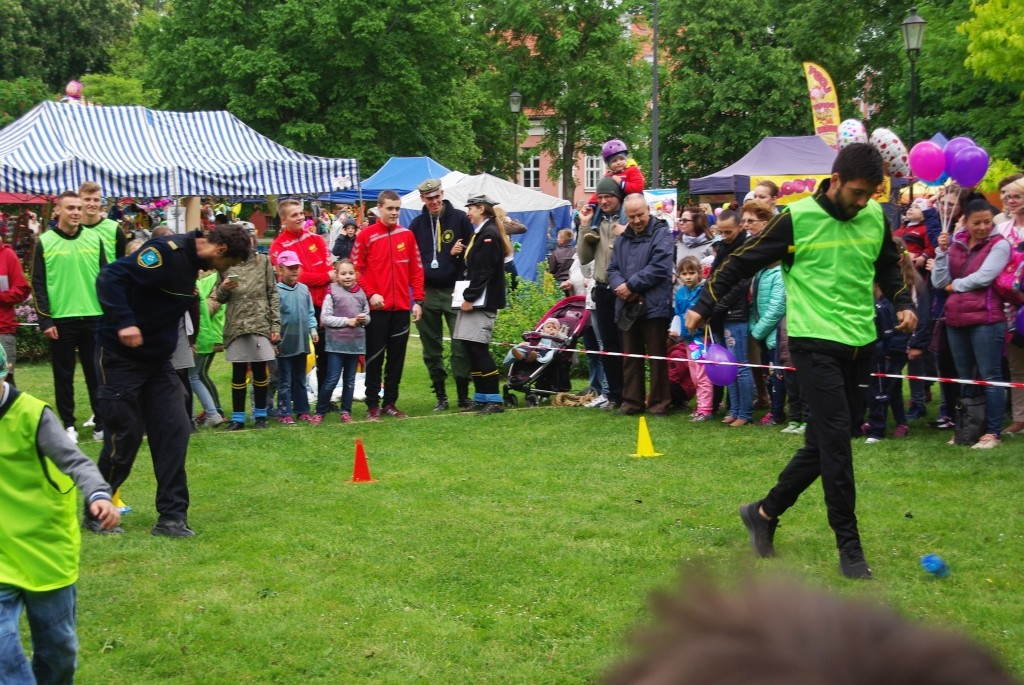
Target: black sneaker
260,422
491,408
762,533
172,529
234,426
852,563
442,404
93,526
472,407
465,402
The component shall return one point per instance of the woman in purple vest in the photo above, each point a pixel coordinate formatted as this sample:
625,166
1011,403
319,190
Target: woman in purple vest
965,267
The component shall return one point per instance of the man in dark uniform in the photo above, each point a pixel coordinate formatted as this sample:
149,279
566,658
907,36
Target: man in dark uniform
437,229
144,296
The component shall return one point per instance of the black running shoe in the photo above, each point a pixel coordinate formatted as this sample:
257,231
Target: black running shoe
852,563
762,533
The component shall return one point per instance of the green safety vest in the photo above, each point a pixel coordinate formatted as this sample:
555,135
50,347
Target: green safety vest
829,287
108,228
39,536
71,270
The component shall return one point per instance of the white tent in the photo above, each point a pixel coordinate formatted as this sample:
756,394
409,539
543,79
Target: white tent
540,213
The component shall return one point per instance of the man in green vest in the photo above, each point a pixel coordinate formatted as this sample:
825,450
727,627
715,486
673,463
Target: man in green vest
834,246
66,263
110,232
39,536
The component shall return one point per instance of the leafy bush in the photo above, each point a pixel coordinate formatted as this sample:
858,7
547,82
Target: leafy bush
31,345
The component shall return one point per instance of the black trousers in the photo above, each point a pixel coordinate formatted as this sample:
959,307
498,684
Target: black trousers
137,397
74,336
611,339
834,387
386,339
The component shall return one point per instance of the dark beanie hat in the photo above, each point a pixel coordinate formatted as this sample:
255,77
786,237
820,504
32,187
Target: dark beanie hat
609,186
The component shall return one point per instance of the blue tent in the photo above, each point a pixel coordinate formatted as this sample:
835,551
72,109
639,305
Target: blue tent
401,174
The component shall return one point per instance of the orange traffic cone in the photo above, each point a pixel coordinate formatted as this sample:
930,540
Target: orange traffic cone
644,446
361,470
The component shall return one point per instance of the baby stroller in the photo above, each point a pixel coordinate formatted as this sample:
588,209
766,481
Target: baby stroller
538,379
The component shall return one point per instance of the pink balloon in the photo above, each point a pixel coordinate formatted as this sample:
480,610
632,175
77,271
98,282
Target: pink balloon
969,166
927,161
718,212
720,374
955,146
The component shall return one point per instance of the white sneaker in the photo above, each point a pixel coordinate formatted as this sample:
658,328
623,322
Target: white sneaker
599,402
90,423
791,428
213,420
872,441
72,433
97,436
800,430
987,442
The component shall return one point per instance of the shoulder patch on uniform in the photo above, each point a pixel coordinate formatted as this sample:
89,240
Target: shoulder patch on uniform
172,245
149,258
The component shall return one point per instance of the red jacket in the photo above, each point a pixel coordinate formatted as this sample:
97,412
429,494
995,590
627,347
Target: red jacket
632,180
17,288
388,264
315,257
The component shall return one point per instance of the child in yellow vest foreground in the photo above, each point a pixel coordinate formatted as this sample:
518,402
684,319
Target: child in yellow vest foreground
39,536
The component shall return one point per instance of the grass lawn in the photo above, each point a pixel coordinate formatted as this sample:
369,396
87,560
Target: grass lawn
517,548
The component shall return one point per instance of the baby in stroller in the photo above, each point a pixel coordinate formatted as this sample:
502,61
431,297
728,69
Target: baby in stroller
540,345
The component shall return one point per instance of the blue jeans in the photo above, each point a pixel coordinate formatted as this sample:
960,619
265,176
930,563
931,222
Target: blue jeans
291,385
200,390
51,618
339,365
980,348
741,390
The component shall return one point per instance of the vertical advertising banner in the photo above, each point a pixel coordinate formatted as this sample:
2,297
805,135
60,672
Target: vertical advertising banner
824,104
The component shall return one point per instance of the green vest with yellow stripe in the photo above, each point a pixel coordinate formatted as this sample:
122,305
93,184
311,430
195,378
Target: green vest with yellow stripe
39,535
71,270
829,287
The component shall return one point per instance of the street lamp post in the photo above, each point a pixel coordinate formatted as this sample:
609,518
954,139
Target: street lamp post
913,36
515,105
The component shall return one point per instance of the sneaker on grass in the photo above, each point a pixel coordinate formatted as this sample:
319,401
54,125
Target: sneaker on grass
172,529
791,427
852,563
762,532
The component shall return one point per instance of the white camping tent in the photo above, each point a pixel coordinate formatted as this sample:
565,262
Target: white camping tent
541,214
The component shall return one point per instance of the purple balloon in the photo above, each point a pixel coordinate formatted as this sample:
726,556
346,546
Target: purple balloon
953,147
969,166
927,161
720,374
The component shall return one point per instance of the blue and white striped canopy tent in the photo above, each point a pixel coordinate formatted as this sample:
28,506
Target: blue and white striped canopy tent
138,152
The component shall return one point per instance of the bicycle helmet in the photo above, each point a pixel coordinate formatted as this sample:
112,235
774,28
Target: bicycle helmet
613,147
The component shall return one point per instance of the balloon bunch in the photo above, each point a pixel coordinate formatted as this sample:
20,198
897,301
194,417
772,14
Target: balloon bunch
961,159
894,153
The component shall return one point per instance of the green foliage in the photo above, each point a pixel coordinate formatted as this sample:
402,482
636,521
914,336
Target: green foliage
30,344
954,100
998,169
18,96
56,41
996,35
108,89
577,61
341,78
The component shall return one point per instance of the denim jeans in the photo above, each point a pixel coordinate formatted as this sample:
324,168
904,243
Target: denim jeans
51,618
201,392
980,348
741,390
291,385
339,365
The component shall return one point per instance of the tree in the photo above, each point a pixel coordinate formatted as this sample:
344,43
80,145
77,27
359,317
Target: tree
578,63
340,77
110,89
996,35
59,40
19,96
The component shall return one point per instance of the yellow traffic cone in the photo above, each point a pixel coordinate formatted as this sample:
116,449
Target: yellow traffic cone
644,447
